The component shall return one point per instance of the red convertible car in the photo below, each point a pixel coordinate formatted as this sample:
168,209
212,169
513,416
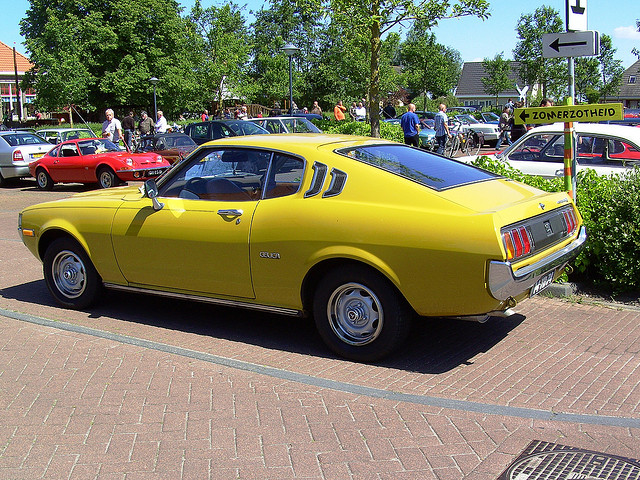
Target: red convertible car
95,160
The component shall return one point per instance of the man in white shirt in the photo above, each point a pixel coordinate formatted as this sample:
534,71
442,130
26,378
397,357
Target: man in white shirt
361,113
161,124
111,127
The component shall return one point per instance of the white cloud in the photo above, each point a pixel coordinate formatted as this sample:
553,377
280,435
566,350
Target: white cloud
626,32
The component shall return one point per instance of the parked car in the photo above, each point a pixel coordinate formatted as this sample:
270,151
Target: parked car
361,233
203,132
490,117
94,160
58,135
286,125
172,146
17,150
490,131
604,148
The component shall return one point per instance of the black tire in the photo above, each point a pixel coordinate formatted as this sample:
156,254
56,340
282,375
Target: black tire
359,314
43,179
106,178
69,274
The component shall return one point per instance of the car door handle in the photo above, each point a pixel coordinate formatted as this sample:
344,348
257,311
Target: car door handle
230,212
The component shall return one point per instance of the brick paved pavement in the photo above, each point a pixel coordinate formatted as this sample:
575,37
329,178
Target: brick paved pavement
92,401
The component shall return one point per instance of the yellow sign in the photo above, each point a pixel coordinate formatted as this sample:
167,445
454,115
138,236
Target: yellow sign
568,113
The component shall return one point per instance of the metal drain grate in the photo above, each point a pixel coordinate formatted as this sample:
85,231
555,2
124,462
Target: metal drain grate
550,461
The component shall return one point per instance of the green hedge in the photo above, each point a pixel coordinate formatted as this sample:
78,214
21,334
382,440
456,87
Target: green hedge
610,208
387,131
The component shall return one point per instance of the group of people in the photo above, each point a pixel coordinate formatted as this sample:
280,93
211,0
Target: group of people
410,123
357,112
114,130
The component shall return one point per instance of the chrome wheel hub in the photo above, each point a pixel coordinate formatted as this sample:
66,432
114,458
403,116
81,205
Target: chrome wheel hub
69,274
355,314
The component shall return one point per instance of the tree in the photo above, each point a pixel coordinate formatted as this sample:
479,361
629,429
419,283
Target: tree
221,51
549,73
635,51
100,53
611,70
430,69
372,19
496,77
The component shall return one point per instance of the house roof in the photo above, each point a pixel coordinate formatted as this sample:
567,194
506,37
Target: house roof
6,60
470,83
627,89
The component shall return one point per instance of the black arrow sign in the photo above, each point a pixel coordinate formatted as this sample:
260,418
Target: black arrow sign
524,116
556,45
577,9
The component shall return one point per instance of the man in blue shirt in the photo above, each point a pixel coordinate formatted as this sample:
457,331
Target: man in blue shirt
442,128
410,124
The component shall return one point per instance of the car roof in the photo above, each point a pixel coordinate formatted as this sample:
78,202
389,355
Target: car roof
67,129
296,142
631,133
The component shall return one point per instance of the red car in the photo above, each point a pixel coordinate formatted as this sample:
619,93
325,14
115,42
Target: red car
92,160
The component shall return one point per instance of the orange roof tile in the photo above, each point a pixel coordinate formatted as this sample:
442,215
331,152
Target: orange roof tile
6,60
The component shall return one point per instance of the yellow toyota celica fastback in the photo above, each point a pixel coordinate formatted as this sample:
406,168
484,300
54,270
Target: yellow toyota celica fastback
361,233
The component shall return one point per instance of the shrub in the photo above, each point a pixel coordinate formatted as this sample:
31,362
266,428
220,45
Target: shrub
610,208
387,131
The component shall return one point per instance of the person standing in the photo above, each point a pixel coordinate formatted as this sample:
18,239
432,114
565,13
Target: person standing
161,124
505,128
111,127
205,115
441,126
360,113
410,124
145,127
128,125
338,111
518,131
389,111
316,108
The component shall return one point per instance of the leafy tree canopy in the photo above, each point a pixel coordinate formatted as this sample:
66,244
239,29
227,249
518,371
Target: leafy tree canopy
497,75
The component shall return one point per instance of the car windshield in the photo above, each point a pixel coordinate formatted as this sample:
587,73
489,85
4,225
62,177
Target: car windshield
420,166
16,139
97,145
466,118
245,128
490,117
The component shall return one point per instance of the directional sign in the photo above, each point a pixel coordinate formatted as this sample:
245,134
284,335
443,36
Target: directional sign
568,113
576,15
571,44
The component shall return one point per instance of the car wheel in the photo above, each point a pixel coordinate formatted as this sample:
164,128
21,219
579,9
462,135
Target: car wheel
44,180
106,178
69,274
359,314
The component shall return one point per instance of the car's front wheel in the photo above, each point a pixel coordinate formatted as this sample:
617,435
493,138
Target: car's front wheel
45,182
69,274
359,314
106,178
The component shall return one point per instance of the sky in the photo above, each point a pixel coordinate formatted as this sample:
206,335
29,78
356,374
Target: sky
475,39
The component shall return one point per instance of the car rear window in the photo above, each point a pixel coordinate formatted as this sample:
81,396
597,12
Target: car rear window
16,139
430,170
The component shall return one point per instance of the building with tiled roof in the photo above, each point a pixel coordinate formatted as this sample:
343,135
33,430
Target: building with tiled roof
629,93
470,89
9,98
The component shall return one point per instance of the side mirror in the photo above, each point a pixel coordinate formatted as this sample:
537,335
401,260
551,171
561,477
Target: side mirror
151,191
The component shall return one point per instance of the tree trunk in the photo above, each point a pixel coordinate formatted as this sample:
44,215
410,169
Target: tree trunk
374,83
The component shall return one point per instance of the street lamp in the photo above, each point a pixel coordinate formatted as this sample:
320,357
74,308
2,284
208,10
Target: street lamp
290,50
153,81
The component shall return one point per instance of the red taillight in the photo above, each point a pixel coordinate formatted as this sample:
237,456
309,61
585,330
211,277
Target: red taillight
17,156
517,242
570,220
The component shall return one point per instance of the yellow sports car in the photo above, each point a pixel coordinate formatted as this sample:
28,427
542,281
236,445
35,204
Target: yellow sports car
362,233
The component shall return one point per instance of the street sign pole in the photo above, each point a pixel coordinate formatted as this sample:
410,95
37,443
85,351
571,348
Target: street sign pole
569,157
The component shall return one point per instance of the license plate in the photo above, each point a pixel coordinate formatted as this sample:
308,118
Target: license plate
37,155
154,173
542,283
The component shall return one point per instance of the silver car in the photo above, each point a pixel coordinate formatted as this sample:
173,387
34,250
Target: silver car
286,125
17,151
58,135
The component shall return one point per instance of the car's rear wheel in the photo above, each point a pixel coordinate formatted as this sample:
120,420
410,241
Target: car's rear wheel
359,314
106,178
44,180
69,274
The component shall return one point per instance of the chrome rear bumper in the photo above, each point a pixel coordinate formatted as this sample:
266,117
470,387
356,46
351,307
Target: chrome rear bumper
503,282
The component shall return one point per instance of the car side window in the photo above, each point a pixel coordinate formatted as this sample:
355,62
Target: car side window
274,127
227,174
69,150
199,131
543,147
285,176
